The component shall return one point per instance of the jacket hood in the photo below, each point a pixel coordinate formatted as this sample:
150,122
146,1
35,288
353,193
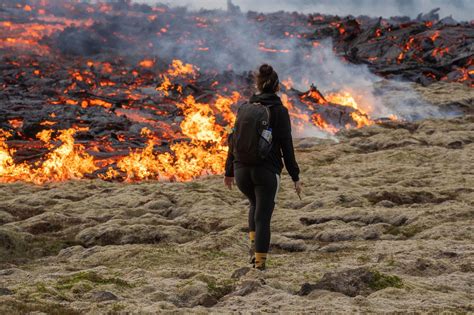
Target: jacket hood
266,99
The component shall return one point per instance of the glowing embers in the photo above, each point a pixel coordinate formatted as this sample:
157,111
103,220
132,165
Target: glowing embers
318,121
318,108
146,63
27,36
406,47
262,46
175,70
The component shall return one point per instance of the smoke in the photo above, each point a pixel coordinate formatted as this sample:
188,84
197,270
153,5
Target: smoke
375,95
459,9
234,45
239,43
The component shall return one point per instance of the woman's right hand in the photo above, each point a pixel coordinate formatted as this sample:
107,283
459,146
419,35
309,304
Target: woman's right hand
298,188
229,181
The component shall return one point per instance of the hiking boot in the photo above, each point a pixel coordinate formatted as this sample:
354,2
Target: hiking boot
252,253
261,268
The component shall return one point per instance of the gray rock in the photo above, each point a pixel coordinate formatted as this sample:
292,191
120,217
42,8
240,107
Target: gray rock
386,204
337,235
6,272
316,204
205,300
101,296
289,245
237,274
371,234
352,282
5,291
6,217
332,248
246,287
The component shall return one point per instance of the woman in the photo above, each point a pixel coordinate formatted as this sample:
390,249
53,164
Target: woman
260,182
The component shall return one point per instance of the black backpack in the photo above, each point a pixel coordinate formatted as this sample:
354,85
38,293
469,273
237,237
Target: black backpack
251,140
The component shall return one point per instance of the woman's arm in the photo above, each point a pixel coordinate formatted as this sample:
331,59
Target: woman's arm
229,163
287,149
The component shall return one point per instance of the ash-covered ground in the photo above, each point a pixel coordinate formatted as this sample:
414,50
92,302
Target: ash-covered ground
385,224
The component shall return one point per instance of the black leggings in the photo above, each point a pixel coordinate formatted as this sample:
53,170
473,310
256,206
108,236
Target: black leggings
260,186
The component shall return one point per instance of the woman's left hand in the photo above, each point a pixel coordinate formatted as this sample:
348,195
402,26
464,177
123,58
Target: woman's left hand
229,181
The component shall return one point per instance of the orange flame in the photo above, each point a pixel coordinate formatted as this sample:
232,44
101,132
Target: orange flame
66,161
205,153
146,63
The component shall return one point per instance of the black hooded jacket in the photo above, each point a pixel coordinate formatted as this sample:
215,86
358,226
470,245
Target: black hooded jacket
282,140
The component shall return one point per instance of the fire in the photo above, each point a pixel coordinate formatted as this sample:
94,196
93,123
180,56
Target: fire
361,119
146,63
205,153
434,36
68,161
176,69
224,106
347,99
16,123
439,51
316,96
342,98
262,47
321,123
9,170
199,122
288,83
299,119
406,47
184,115
64,162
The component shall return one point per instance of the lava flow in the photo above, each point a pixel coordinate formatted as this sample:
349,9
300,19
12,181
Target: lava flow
126,91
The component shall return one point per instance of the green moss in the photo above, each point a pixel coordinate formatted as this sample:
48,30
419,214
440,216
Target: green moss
15,307
44,290
220,288
363,259
182,284
117,308
214,254
217,287
15,247
41,287
391,262
407,231
157,256
48,246
12,245
381,281
90,277
273,262
195,185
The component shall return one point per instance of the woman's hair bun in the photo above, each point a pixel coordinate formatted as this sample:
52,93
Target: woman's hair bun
265,70
267,79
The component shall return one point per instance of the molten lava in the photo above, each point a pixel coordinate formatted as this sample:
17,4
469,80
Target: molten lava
135,118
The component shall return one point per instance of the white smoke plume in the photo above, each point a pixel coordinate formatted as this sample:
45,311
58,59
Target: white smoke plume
295,58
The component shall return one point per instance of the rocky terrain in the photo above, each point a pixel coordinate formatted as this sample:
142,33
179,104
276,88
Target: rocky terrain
385,224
